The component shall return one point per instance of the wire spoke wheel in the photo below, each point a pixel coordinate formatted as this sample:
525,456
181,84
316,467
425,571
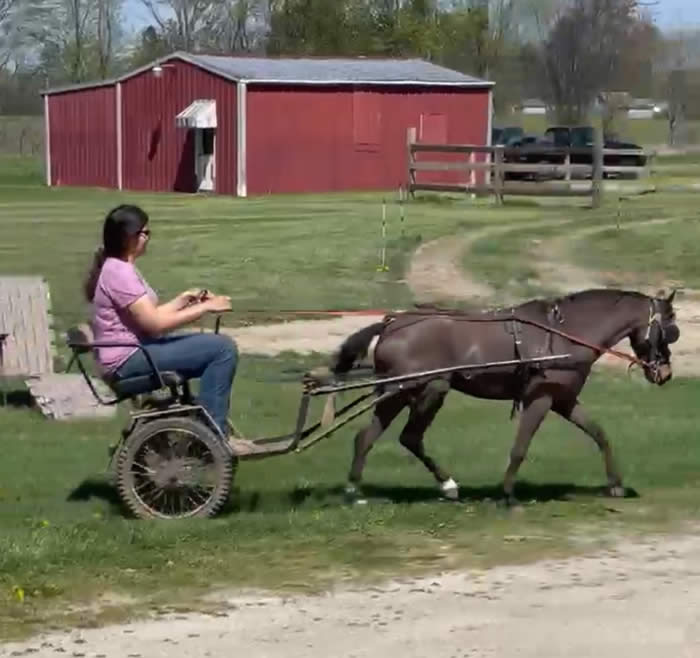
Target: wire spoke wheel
174,468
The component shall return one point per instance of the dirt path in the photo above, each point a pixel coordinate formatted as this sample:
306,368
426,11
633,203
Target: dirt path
436,273
553,265
639,600
301,336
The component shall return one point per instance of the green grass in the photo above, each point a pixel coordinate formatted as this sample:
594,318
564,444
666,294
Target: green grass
64,538
652,254
21,135
268,253
613,240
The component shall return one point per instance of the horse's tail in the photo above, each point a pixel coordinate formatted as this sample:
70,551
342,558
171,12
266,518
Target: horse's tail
355,347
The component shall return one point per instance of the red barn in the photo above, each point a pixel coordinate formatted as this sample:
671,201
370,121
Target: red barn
245,125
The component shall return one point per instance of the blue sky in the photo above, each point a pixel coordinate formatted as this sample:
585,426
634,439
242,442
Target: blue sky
677,13
668,13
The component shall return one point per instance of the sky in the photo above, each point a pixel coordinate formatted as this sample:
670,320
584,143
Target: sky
667,13
677,13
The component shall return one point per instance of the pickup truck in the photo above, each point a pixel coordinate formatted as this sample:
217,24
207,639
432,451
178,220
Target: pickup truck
547,149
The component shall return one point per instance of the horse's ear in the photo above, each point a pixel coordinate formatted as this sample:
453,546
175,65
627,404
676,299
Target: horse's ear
671,297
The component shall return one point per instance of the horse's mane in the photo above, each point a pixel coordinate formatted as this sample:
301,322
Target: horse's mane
544,302
616,293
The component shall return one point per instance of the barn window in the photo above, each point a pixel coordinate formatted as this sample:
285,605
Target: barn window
367,119
433,128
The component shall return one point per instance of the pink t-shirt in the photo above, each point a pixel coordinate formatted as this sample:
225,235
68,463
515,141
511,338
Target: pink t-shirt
119,285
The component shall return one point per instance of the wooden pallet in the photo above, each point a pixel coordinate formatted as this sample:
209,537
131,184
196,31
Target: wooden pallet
25,315
29,349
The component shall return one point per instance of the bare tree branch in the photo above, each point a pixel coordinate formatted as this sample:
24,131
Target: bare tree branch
584,50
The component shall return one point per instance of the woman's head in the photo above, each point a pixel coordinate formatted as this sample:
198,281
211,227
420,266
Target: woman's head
124,236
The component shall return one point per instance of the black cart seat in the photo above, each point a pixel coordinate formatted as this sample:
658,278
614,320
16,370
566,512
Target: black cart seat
81,341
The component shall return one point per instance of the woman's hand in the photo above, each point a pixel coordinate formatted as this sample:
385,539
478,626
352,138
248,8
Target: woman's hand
218,303
192,296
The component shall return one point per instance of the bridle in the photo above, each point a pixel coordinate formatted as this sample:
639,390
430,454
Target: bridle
658,337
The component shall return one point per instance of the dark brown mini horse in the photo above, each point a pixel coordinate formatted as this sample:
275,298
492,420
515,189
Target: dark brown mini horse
585,325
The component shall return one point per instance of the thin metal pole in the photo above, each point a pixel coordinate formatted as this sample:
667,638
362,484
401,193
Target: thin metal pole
324,390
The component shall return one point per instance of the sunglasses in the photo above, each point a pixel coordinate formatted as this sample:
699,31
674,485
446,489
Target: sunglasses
146,232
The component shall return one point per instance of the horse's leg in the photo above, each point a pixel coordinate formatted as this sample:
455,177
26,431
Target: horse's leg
384,413
423,412
577,415
532,416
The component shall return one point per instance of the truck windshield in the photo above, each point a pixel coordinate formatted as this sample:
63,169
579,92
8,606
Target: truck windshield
582,136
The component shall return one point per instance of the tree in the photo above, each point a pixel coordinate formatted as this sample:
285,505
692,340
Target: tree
181,23
151,46
107,34
236,26
310,27
583,51
8,30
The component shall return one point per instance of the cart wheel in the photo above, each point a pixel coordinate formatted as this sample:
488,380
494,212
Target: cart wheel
174,468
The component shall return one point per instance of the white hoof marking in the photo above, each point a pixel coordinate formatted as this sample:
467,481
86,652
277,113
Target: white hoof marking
450,489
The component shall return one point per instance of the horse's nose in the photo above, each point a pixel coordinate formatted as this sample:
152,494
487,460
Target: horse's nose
665,374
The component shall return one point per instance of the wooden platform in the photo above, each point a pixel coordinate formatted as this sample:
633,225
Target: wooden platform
29,349
25,315
68,397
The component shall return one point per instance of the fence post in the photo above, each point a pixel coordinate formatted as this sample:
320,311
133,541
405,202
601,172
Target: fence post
567,165
411,180
597,182
498,174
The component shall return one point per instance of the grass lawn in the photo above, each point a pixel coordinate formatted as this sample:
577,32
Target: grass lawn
277,252
64,539
616,240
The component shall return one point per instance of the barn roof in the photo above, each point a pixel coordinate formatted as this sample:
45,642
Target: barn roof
310,70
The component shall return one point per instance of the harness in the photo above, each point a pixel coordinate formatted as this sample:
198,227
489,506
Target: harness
512,324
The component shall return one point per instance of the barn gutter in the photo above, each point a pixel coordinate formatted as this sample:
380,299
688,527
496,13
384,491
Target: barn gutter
241,141
47,141
120,152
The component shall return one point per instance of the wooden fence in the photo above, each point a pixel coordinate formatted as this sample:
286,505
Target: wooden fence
487,167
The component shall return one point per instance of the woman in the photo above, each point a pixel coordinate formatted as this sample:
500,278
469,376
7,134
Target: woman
126,310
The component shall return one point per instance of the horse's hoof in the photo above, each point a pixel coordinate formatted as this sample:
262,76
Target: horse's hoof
509,502
449,490
617,491
353,497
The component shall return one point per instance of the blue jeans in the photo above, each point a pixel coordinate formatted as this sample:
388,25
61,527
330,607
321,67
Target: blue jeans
211,358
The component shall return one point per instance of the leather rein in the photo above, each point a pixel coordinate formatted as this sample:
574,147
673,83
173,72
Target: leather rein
633,360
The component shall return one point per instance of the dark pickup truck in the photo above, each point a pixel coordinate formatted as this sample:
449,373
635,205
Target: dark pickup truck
548,150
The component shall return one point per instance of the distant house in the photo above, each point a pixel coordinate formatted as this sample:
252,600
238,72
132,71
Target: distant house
646,108
532,106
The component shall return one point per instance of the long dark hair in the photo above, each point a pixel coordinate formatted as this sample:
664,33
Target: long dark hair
122,223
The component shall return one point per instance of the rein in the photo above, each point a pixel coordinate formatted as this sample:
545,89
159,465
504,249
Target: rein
633,360
596,348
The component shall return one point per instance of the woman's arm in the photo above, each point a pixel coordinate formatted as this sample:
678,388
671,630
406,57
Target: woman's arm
183,300
155,320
